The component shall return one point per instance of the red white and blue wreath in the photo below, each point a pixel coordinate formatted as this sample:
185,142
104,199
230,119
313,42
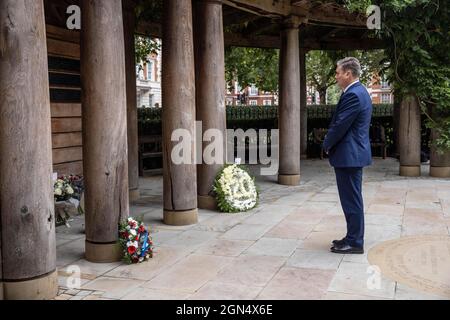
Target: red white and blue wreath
135,240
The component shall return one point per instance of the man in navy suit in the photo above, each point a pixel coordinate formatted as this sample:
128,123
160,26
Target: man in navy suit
348,146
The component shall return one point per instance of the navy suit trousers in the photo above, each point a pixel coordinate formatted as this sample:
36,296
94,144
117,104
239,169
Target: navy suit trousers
349,183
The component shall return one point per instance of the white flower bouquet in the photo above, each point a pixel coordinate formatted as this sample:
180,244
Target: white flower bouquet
63,190
67,191
235,190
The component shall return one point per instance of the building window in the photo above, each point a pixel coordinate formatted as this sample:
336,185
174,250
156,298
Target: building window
150,71
253,91
253,102
139,72
385,98
150,100
267,102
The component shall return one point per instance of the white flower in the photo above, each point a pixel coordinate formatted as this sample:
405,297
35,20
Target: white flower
133,232
141,259
69,190
128,228
238,188
58,192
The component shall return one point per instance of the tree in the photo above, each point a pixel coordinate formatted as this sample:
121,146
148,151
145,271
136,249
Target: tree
145,46
320,70
252,66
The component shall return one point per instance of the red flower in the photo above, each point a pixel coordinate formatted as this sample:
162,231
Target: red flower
137,238
141,229
131,250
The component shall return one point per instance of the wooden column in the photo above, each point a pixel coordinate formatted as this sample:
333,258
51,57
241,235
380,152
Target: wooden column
409,137
129,23
210,89
289,108
396,123
178,94
104,127
303,108
439,162
26,199
1,272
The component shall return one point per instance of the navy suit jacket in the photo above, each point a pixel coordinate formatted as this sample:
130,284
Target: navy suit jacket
347,141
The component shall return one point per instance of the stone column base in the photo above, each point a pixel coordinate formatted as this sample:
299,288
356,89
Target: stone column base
135,195
410,171
289,180
440,172
103,253
43,288
181,218
207,202
1,291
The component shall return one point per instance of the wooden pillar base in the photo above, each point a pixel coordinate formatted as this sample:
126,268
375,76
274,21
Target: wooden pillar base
135,195
43,288
207,203
410,171
181,218
103,253
289,180
440,172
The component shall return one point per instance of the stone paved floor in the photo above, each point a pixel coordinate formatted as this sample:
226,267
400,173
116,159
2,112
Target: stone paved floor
278,251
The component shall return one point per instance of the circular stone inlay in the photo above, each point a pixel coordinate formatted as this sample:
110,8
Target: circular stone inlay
421,262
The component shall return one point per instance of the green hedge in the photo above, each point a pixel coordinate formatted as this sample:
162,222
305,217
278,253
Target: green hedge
252,113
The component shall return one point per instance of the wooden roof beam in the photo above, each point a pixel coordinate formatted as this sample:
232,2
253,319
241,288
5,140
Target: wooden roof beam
262,7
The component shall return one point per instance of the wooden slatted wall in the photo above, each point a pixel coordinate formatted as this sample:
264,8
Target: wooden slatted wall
65,97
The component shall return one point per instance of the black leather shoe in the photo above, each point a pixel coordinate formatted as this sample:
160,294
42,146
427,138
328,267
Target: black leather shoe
346,249
338,242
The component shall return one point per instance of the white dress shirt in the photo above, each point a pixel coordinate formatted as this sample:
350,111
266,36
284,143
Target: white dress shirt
348,87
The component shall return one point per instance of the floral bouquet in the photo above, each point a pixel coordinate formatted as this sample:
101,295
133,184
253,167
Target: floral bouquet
135,240
77,183
235,190
62,189
68,192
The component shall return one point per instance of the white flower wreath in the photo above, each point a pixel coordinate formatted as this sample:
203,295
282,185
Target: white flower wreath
235,190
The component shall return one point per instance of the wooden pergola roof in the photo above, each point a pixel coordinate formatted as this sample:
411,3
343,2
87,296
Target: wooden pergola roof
256,23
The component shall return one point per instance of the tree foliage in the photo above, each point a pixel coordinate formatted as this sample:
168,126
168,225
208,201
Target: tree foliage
252,66
149,10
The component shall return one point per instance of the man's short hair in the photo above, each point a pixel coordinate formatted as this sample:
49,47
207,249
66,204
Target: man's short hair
352,64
